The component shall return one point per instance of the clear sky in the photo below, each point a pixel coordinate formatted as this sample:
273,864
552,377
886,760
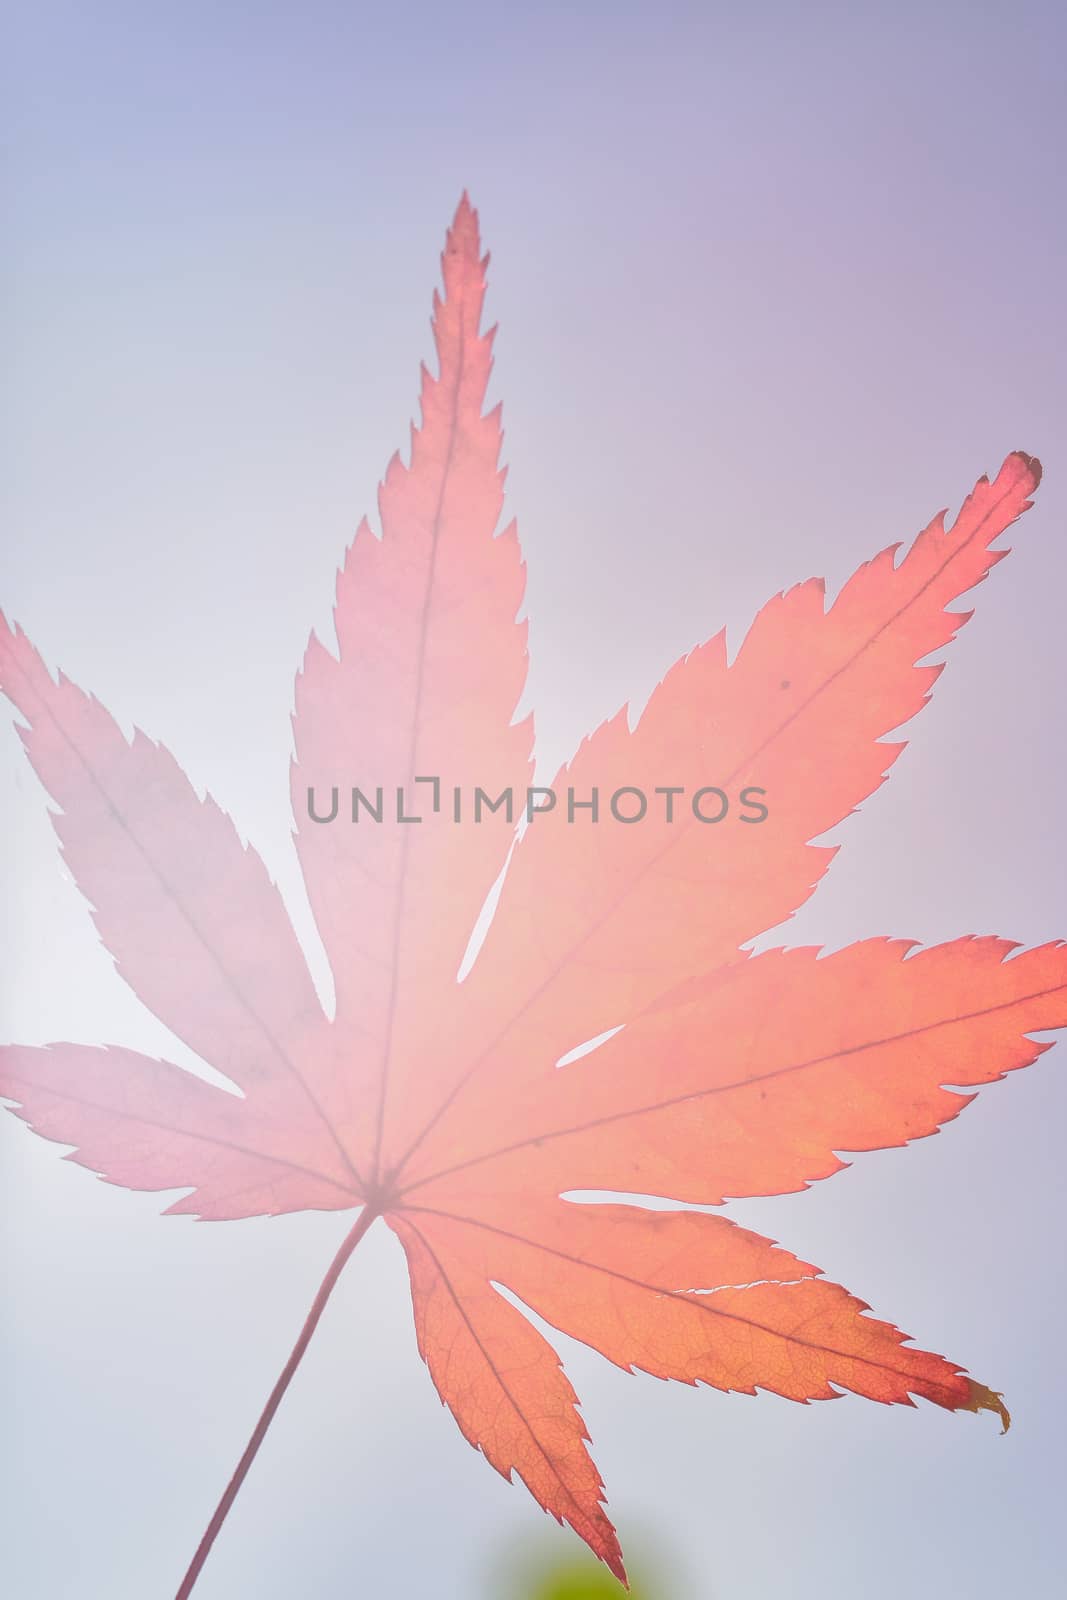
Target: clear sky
775,284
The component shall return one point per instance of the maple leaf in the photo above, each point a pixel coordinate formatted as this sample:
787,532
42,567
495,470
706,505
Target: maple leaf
451,1102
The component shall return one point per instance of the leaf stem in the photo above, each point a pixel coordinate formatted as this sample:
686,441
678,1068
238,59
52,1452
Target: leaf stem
318,1306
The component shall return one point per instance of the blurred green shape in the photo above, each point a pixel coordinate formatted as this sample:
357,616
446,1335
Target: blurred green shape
534,1568
581,1580
534,1573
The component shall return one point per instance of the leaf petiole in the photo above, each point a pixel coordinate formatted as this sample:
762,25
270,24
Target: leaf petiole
318,1306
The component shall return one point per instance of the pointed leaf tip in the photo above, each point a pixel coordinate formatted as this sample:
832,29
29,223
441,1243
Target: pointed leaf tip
1029,464
983,1399
463,236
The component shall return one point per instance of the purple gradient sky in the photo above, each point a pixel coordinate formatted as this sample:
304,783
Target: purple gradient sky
775,284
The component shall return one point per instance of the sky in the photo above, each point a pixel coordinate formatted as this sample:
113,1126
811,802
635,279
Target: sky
774,284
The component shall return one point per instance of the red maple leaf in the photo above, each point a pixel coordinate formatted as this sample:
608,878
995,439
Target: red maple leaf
434,1096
